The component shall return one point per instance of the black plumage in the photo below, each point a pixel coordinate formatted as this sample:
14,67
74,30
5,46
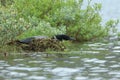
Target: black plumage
30,39
62,37
59,37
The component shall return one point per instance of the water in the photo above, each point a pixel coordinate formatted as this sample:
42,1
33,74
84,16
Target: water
94,61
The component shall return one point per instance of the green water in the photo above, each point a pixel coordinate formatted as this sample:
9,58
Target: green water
93,61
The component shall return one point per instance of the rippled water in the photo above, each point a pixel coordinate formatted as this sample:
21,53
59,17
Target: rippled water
95,61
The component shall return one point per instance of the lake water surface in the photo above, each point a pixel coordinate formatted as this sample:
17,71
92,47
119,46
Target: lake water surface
94,61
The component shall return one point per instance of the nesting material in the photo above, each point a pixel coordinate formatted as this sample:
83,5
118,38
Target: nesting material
42,45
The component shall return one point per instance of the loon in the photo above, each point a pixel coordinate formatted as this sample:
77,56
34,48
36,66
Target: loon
59,37
30,39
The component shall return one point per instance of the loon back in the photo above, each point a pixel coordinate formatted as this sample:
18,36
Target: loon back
30,39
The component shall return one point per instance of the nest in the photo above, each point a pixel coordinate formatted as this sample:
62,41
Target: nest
42,45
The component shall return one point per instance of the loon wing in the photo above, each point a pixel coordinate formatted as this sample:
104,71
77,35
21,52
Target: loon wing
29,40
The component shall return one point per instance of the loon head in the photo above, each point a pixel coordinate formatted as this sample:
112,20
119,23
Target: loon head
62,37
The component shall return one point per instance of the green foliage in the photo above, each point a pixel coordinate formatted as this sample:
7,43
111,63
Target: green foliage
111,25
6,2
26,18
42,28
83,24
87,24
37,8
10,27
49,17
